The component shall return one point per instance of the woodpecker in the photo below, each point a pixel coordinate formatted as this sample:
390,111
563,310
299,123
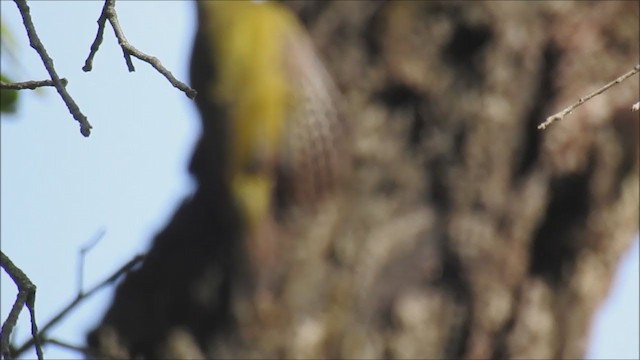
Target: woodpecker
270,114
284,133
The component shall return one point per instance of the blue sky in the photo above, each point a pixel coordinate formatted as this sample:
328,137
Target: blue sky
59,189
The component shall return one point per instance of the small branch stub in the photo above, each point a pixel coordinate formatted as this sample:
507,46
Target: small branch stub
30,85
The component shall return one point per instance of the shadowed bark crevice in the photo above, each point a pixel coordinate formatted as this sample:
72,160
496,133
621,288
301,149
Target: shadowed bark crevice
544,93
554,247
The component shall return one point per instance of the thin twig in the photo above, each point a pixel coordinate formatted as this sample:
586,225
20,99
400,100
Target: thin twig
66,345
80,297
109,13
31,306
112,16
26,296
34,41
560,115
29,85
81,255
88,64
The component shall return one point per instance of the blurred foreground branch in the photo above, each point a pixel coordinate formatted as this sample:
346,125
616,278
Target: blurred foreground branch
131,264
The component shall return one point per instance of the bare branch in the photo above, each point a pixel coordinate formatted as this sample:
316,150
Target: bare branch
29,85
560,115
109,13
80,297
34,41
26,296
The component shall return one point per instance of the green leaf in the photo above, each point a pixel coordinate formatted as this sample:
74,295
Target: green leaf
8,98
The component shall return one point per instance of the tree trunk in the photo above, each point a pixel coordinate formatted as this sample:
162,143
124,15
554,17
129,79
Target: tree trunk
463,232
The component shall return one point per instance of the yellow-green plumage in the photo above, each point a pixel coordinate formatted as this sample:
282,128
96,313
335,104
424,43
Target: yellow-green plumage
283,125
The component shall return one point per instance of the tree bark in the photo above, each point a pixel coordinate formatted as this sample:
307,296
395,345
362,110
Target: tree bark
463,232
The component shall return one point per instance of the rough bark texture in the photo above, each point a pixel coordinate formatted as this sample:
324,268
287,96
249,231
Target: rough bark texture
464,231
